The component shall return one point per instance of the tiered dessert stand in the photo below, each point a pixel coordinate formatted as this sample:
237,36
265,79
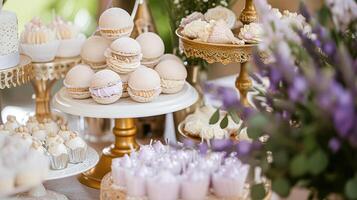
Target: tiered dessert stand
226,53
18,75
46,75
124,112
40,193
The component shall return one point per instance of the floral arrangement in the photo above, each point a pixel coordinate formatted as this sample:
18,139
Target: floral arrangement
309,111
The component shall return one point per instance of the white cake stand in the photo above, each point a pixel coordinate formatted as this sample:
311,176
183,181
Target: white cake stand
124,112
40,193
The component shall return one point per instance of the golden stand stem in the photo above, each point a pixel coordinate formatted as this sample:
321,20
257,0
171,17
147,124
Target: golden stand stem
42,90
125,133
249,14
244,83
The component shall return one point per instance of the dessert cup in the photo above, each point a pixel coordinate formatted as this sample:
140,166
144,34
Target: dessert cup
163,187
77,149
71,47
58,155
41,52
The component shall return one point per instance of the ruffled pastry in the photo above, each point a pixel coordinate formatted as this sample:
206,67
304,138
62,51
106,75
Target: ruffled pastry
222,34
190,18
221,13
37,33
198,29
252,33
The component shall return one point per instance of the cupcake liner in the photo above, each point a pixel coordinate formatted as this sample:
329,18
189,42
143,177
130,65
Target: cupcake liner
41,52
59,162
77,155
71,47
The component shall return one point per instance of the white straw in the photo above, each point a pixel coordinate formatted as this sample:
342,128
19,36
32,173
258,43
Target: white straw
135,9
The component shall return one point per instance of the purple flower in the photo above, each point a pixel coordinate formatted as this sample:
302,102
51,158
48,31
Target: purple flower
203,148
344,115
329,48
334,144
244,148
298,89
221,145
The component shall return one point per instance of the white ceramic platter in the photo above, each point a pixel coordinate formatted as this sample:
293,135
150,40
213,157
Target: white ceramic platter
126,108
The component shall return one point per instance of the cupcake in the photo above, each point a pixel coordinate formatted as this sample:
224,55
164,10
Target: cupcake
195,185
11,123
229,182
169,56
53,138
64,133
114,23
51,126
92,52
173,75
31,123
39,42
136,181
29,173
144,85
106,87
119,167
78,80
58,154
152,48
7,180
123,55
4,131
40,132
77,149
71,40
37,146
166,180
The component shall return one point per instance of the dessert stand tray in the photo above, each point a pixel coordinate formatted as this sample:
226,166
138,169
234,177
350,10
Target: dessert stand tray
40,193
125,107
18,75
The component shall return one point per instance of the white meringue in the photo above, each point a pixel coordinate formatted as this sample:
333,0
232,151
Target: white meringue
221,13
252,33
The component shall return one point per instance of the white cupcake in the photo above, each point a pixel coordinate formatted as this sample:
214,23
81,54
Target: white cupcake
77,149
53,138
51,126
70,37
64,133
195,185
119,167
136,181
31,123
164,186
37,146
4,131
11,123
39,42
40,132
58,154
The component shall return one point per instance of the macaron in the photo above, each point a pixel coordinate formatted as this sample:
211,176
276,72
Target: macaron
169,56
106,87
152,48
77,81
114,23
172,75
144,85
92,52
124,55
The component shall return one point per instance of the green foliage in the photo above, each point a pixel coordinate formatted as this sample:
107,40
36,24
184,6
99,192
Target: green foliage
215,117
256,126
224,122
257,192
351,188
281,186
317,162
298,165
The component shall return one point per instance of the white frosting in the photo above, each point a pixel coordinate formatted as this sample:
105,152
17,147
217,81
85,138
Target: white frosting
76,142
57,149
65,134
194,126
40,134
51,127
53,140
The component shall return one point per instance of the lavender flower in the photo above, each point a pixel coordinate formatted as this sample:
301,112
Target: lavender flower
334,144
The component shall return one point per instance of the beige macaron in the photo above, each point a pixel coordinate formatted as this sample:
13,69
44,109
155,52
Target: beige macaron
114,23
123,55
169,56
144,85
106,87
152,48
77,81
172,74
92,52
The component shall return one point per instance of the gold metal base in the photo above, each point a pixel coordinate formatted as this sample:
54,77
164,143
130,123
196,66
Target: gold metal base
244,84
125,133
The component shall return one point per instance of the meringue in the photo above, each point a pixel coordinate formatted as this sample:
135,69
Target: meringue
221,13
252,33
190,18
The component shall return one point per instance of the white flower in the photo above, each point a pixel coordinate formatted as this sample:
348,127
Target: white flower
343,12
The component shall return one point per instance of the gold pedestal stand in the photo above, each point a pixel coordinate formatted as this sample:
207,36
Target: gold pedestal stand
46,75
16,76
125,133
